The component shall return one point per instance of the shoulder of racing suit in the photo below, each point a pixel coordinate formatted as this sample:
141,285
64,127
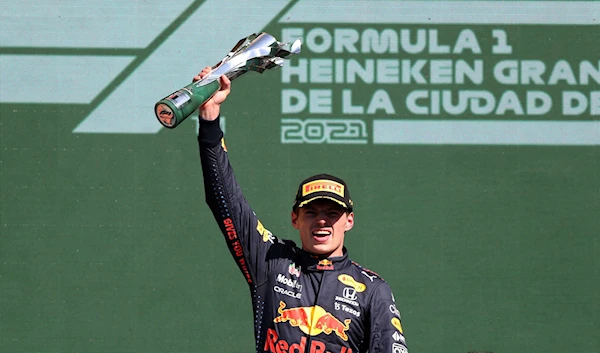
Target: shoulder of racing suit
371,275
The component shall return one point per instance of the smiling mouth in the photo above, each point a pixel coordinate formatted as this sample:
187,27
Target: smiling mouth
321,234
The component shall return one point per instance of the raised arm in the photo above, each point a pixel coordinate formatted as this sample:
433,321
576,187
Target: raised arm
247,240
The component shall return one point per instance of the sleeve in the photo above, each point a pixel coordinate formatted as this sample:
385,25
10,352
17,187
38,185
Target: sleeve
247,239
387,334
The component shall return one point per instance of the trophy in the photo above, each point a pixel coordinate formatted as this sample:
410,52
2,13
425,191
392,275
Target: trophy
257,52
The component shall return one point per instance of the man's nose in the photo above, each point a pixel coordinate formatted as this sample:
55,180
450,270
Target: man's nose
322,218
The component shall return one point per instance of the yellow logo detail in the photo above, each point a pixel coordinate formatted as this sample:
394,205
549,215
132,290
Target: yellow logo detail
313,320
397,324
350,281
266,234
323,185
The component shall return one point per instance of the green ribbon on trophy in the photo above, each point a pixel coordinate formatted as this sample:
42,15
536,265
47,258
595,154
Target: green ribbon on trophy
257,52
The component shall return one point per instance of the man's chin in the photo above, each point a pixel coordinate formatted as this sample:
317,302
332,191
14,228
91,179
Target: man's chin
320,249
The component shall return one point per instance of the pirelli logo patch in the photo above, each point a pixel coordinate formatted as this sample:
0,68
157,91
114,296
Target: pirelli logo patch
323,185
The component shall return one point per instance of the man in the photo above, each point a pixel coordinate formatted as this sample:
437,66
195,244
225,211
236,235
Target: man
311,299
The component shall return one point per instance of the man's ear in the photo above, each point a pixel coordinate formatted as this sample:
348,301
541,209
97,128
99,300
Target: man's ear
295,219
349,221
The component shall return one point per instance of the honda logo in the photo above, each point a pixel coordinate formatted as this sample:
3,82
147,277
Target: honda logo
350,293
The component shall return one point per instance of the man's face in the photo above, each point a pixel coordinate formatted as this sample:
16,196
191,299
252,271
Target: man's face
322,224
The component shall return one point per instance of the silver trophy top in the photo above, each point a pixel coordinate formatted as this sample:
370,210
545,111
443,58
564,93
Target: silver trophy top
257,52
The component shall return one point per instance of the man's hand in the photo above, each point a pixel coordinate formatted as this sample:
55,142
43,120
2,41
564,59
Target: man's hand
211,108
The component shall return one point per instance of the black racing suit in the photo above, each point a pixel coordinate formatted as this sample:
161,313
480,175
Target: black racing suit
301,304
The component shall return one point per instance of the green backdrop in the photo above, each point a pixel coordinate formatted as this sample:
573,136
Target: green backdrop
107,246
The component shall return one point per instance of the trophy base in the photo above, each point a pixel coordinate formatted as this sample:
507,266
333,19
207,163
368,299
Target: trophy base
165,114
176,107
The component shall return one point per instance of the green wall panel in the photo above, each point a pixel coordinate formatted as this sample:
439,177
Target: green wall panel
107,246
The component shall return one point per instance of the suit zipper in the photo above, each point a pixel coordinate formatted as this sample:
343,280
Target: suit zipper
309,336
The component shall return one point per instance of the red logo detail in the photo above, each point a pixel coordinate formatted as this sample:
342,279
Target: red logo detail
325,265
297,317
236,247
329,323
274,344
313,320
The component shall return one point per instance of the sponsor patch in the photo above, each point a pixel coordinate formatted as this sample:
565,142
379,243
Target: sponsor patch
397,324
288,292
350,281
236,247
346,300
399,348
292,283
264,232
293,270
275,344
398,337
325,265
394,310
349,293
313,320
323,185
368,276
344,307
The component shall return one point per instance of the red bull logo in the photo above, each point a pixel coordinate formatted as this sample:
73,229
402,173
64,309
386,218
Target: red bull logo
313,320
329,323
325,265
297,317
274,344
